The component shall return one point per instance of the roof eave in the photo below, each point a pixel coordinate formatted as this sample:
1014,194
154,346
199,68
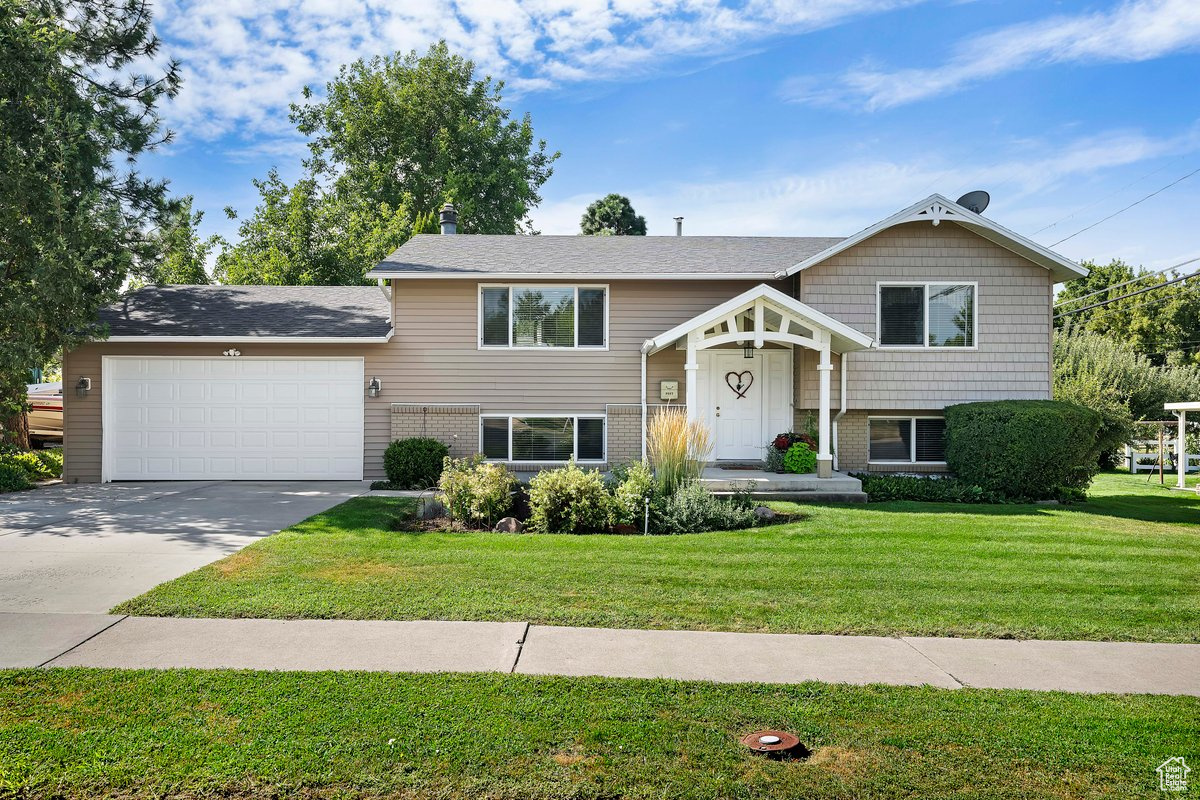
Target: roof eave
572,276
250,339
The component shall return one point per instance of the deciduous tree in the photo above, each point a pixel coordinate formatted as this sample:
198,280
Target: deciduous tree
612,215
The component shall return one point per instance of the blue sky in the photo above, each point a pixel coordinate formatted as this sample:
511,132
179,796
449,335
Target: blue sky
793,117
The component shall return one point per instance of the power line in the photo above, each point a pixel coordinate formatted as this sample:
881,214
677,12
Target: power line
1126,208
1126,283
1142,304
1114,193
1156,286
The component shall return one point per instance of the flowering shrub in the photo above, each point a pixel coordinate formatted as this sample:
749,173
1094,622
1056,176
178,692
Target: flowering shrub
569,500
476,492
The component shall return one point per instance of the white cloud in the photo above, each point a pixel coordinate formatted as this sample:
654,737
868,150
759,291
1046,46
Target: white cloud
245,62
1032,183
1138,30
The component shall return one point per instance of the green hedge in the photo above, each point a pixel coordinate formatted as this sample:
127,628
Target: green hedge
13,478
1023,449
883,488
414,463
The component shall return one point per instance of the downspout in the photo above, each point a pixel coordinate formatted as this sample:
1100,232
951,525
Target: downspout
645,345
842,406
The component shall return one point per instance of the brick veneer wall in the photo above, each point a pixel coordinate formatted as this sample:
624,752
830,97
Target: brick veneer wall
456,426
625,431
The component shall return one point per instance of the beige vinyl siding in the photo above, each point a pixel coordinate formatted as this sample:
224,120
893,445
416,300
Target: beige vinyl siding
82,419
436,339
1013,304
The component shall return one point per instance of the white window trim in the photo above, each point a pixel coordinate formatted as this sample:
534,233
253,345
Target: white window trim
925,346
541,285
912,422
552,415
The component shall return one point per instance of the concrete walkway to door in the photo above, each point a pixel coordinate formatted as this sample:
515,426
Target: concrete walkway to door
68,553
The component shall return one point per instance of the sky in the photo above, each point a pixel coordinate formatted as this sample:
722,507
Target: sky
762,117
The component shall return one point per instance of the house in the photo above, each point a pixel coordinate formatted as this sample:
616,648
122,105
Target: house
537,349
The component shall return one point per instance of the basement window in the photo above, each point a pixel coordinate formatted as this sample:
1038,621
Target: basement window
907,440
542,439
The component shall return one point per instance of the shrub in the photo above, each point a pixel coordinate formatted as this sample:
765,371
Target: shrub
694,509
634,485
923,488
475,492
678,448
13,478
28,462
569,500
52,459
414,463
800,459
1023,449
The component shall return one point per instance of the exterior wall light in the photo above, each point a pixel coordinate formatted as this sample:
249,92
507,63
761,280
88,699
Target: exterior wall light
374,387
82,387
748,351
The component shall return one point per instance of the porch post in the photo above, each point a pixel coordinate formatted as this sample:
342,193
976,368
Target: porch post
1181,448
824,456
692,368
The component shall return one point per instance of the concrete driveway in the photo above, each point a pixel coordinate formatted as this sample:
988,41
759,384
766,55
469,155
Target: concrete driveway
75,551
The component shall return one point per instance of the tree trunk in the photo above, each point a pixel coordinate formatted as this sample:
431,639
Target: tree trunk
15,425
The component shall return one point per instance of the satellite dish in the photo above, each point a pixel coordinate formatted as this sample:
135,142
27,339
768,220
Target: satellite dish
977,200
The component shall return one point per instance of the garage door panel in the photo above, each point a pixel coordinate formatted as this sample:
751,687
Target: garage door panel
234,418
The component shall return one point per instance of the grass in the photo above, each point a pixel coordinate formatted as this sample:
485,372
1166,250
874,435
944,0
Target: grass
1123,566
129,734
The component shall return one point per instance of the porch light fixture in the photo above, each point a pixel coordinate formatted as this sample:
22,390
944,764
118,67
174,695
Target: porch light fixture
82,387
374,387
748,351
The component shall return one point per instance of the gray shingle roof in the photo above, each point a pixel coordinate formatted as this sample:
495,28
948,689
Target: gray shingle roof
470,254
250,311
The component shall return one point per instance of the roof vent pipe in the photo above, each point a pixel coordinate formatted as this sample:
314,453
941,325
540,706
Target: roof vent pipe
679,226
448,218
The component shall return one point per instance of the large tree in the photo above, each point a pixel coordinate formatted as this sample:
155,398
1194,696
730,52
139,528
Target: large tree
1163,323
612,215
75,214
393,139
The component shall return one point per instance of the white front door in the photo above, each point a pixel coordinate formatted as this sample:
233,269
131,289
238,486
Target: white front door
232,418
749,400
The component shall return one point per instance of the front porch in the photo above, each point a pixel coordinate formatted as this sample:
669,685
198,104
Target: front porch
739,369
837,488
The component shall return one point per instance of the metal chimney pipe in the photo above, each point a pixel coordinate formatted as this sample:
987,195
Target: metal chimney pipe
679,226
448,218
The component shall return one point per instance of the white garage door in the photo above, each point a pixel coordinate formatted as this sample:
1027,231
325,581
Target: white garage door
233,418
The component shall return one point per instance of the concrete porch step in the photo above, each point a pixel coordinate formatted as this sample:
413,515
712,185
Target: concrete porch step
729,480
805,497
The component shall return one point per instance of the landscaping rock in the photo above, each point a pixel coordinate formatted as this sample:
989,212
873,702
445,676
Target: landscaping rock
762,512
510,525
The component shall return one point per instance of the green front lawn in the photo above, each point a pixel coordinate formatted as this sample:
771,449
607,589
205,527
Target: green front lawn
1125,565
85,733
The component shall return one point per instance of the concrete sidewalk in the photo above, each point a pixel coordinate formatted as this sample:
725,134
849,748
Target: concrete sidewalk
163,643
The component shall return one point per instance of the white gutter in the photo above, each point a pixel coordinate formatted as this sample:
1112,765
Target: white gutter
841,411
257,339
559,277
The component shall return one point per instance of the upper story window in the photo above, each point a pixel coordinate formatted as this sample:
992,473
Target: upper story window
927,314
535,317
